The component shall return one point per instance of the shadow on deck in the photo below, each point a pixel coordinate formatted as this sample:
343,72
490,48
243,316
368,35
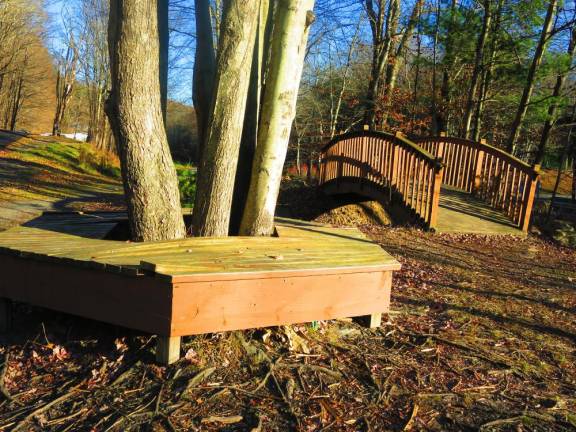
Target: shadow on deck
461,212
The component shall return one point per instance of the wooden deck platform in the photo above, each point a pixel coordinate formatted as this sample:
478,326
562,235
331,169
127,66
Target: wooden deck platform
196,285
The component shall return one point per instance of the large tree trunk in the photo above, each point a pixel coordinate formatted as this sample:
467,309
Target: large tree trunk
476,73
291,24
135,112
551,119
252,115
531,79
217,170
204,69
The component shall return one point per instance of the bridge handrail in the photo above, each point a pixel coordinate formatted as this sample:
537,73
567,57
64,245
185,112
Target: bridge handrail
481,145
386,162
503,181
401,139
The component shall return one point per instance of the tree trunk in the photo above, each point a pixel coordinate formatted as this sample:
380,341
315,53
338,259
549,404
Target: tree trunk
550,120
394,63
164,38
217,169
443,114
204,69
472,90
64,85
252,115
134,109
291,25
487,74
531,79
380,24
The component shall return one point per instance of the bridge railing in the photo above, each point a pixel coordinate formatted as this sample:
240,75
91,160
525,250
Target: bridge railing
504,182
389,161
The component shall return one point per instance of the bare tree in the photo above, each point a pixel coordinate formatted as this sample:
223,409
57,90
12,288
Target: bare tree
383,17
67,67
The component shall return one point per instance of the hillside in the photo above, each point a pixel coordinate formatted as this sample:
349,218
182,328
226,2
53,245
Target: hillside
44,173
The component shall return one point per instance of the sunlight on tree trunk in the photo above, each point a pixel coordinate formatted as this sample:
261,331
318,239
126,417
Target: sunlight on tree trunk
134,109
291,25
250,132
217,169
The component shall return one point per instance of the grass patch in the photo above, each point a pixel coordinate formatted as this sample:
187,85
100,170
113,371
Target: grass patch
186,183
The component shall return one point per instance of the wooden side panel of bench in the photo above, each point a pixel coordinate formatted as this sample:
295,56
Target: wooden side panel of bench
141,303
212,306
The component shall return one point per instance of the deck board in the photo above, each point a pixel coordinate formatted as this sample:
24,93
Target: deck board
297,246
460,212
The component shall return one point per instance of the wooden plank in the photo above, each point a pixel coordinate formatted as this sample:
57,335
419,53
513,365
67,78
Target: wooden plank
201,307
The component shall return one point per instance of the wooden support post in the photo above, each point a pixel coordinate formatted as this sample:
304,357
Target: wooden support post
370,321
339,169
477,179
5,315
528,203
167,349
436,188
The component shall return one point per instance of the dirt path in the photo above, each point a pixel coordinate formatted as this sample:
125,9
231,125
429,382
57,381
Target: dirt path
40,173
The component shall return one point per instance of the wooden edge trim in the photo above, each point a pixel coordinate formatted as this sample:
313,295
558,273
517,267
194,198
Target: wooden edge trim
206,277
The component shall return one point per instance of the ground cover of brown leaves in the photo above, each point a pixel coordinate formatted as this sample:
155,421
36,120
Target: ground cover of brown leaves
481,336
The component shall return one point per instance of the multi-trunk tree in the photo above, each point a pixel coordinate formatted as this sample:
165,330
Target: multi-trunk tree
244,66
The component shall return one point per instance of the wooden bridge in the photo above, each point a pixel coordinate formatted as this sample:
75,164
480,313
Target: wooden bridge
449,184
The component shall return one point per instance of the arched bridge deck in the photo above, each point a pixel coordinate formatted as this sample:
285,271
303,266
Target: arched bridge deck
450,184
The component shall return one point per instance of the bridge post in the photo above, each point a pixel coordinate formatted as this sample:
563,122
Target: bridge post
529,202
436,188
477,179
339,169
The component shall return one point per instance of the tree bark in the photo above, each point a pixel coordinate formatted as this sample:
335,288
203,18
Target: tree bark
551,119
479,57
291,25
531,79
135,112
217,169
204,69
252,115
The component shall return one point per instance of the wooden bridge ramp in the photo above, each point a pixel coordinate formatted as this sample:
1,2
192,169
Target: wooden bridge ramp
197,285
449,184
